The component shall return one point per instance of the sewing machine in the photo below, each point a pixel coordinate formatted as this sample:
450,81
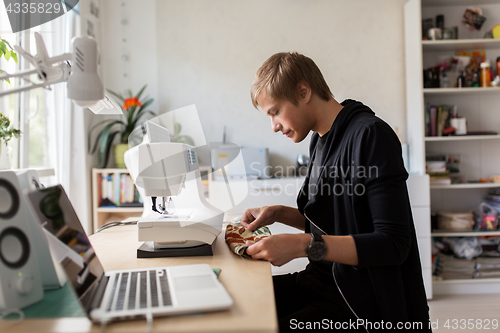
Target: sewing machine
180,221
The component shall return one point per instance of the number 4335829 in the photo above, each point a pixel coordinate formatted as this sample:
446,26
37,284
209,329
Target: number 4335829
471,324
33,8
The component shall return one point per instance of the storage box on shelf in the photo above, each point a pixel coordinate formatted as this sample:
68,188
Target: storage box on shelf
114,196
480,154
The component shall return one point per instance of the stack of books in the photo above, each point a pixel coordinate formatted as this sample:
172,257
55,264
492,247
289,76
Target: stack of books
487,267
439,178
451,268
117,189
436,166
437,119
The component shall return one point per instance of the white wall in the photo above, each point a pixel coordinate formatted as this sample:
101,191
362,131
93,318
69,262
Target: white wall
206,52
129,56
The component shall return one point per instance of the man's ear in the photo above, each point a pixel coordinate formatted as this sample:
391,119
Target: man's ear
305,92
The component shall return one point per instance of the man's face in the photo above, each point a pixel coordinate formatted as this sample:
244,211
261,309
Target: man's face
287,118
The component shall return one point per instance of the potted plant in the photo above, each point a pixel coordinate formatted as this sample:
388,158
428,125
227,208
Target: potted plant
7,132
134,110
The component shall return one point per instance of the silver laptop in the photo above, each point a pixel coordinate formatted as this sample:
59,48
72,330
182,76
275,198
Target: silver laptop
124,294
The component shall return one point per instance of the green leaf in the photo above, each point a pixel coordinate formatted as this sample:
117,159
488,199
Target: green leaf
104,139
7,55
146,104
140,91
104,155
134,124
142,109
14,56
120,97
2,71
103,136
6,42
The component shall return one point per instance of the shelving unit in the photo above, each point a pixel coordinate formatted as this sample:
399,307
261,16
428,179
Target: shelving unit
460,44
479,154
464,233
471,281
462,138
465,186
460,91
104,215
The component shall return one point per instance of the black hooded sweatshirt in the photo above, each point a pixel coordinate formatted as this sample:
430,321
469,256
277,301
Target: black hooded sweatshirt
361,191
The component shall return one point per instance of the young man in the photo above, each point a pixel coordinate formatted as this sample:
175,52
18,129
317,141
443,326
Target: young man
364,271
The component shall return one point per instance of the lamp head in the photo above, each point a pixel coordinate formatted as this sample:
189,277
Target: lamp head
84,85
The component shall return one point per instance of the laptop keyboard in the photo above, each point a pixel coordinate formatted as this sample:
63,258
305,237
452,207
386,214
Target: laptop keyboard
132,290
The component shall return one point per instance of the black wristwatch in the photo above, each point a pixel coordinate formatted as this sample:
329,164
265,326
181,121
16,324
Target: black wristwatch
316,250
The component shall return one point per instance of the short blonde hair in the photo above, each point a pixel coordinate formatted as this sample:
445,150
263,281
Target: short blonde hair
282,72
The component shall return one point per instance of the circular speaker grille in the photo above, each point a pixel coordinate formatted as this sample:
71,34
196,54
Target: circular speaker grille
14,247
9,205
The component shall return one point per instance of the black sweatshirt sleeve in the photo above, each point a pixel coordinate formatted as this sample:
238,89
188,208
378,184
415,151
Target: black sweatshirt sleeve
387,199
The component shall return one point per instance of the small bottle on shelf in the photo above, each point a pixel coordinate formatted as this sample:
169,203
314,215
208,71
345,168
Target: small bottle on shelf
475,78
461,80
485,74
445,81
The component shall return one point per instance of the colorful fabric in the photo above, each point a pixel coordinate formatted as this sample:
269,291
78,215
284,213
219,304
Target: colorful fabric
238,236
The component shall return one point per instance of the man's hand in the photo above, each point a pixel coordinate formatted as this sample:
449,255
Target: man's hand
255,217
280,249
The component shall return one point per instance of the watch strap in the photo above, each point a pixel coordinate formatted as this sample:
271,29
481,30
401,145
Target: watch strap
317,237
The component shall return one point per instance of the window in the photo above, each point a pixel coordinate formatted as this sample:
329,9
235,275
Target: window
41,114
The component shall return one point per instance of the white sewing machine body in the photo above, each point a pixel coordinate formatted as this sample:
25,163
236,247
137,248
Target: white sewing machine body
185,224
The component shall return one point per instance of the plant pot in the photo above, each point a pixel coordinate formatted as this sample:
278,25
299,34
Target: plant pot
5,162
119,150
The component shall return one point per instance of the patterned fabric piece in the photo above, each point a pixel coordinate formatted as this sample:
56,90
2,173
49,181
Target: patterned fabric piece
237,236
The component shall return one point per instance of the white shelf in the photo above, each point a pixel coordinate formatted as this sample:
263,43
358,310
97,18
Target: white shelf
461,138
439,3
460,44
450,91
471,281
464,233
111,170
120,210
465,186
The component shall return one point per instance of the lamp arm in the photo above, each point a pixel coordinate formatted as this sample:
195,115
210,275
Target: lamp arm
20,74
65,71
60,58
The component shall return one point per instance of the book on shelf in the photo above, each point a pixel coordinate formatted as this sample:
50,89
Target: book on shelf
439,178
487,267
450,268
440,181
117,189
437,120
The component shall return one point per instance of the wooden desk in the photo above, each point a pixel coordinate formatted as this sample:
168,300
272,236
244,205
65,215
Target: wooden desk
249,283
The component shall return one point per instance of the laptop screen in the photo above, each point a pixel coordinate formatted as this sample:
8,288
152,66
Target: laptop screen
74,251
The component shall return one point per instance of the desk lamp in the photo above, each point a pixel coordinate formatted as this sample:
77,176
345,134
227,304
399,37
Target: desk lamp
83,83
